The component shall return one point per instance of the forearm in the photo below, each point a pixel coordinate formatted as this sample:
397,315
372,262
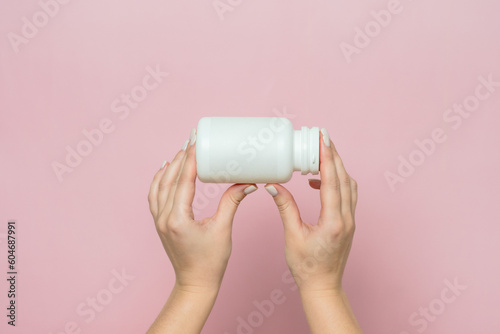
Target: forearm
185,311
329,312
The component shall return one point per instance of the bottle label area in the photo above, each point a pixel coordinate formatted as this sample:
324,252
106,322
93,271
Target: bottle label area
249,149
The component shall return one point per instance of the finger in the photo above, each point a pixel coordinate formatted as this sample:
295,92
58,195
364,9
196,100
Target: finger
344,179
354,195
168,178
153,189
186,186
173,187
230,201
315,183
287,207
330,183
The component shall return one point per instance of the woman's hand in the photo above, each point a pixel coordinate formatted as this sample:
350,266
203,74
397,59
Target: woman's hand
198,249
325,246
317,254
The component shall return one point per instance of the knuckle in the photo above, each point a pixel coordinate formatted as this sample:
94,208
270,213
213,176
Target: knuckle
166,223
174,182
283,205
337,231
181,180
346,180
335,184
162,229
234,200
169,226
162,185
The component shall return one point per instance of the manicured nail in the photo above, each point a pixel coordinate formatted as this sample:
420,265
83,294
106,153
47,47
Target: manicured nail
163,164
192,137
249,190
314,180
326,137
185,145
271,190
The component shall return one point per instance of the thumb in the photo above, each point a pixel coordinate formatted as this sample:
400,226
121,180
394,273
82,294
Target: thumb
287,206
230,200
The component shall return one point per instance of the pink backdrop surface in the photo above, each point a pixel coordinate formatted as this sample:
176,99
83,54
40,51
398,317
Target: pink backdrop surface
409,91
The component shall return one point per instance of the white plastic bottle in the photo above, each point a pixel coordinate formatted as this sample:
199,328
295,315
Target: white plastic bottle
254,150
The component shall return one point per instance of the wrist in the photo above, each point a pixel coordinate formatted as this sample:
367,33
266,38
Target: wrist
208,291
320,284
186,309
321,292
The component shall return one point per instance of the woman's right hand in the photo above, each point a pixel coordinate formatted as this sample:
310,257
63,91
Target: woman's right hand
317,254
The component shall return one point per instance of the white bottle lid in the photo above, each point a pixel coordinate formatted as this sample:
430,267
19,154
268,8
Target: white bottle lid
306,150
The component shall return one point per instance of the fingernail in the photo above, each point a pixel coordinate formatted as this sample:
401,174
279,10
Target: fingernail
271,190
249,190
314,180
163,164
192,137
185,145
326,137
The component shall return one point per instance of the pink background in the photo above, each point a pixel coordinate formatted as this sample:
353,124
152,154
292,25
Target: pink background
442,223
